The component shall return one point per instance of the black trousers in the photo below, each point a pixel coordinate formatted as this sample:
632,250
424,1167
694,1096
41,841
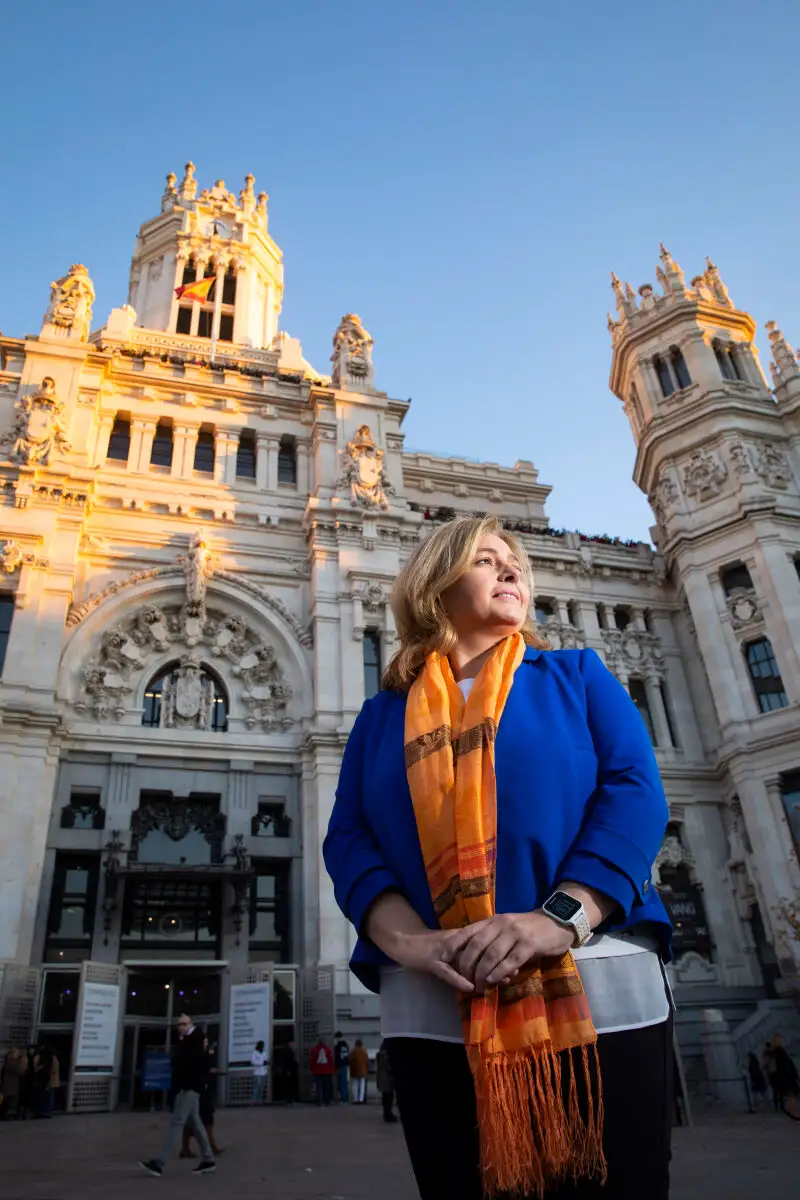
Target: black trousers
436,1099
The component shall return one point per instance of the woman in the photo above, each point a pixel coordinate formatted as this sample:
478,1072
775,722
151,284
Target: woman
497,807
259,1060
359,1070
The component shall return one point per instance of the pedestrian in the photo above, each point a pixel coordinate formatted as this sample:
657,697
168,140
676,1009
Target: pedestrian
189,1069
386,1084
11,1082
341,1052
27,1083
787,1079
207,1106
359,1070
499,803
258,1061
42,1074
758,1084
768,1065
55,1081
322,1069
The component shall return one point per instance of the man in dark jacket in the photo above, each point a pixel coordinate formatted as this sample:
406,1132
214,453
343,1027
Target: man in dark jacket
341,1054
189,1068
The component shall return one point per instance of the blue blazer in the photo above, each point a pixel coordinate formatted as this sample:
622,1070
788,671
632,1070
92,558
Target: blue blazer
578,798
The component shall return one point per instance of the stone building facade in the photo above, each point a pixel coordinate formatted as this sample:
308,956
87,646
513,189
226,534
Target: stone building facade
199,536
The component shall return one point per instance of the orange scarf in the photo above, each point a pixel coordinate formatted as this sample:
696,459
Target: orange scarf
533,1132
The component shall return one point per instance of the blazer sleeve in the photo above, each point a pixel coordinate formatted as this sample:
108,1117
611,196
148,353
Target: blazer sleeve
627,814
352,855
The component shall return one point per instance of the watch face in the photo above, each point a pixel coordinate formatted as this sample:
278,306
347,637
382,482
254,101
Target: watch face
562,906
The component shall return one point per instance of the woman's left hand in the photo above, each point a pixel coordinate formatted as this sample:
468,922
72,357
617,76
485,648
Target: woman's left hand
503,945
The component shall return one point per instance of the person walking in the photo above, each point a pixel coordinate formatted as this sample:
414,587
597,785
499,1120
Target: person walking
189,1070
768,1065
756,1080
386,1084
787,1080
11,1082
359,1070
258,1061
322,1069
341,1052
492,840
207,1106
42,1074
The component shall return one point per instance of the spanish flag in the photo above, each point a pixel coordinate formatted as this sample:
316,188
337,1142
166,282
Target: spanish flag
200,290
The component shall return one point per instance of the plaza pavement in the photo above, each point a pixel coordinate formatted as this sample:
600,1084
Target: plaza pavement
340,1154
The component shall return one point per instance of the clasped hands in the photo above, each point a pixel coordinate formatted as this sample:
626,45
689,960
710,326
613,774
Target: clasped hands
485,954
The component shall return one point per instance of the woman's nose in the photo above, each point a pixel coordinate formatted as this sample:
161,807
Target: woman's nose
509,572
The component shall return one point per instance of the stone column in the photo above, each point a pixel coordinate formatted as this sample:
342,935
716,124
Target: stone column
658,712
104,428
262,444
653,386
606,620
562,612
242,308
777,577
272,462
227,448
774,856
142,434
723,1069
700,359
183,448
238,810
730,685
303,468
180,264
589,624
637,620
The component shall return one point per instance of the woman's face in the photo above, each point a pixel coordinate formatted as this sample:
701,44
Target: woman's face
492,595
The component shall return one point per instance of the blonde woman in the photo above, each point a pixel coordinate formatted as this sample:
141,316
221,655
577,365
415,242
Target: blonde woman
497,816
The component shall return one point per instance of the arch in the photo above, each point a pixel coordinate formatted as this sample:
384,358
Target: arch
239,633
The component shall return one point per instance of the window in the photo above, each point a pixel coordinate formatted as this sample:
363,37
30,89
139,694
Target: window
679,367
161,453
269,910
226,327
229,287
287,461
119,444
184,323
767,682
727,360
271,820
213,699
189,272
179,832
6,617
181,913
83,812
372,663
664,377
622,616
736,576
205,324
59,1002
662,687
638,694
70,921
543,610
204,452
573,613
246,455
790,789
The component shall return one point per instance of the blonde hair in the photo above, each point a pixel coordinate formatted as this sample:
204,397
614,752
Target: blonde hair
436,564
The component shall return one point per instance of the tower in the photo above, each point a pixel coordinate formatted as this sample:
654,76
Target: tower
717,457
216,235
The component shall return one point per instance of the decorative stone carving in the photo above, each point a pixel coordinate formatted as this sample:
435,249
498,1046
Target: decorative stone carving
197,568
127,649
739,864
38,427
363,472
693,968
188,696
673,854
189,183
744,608
12,557
704,474
352,355
170,197
561,636
737,452
69,313
772,465
633,652
372,597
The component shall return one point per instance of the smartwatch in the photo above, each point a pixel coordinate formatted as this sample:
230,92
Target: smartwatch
568,911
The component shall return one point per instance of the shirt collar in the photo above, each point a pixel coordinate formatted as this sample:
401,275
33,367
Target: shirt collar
530,654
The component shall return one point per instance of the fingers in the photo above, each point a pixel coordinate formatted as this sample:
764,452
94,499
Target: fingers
498,952
509,967
454,942
476,947
445,972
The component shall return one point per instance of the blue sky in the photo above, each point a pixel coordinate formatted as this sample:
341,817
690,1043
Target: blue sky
462,175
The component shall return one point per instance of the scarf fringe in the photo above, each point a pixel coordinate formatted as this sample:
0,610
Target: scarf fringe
530,1138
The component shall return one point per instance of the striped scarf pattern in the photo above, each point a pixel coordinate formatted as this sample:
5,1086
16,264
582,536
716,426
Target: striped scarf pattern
534,1130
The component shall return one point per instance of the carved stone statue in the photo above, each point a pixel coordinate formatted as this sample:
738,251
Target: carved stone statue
170,196
188,696
69,314
363,472
352,355
197,568
38,427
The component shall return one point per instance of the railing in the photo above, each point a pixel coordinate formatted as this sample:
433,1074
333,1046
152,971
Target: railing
187,349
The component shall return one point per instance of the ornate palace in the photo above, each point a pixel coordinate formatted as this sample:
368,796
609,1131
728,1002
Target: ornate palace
199,536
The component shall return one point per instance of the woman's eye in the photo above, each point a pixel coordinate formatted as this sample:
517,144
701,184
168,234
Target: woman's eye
483,560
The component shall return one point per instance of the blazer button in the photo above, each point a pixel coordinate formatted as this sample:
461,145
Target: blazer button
646,886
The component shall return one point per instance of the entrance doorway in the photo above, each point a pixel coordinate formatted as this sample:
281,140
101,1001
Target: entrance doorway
154,998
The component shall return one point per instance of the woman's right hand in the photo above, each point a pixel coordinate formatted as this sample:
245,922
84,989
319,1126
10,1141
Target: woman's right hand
433,951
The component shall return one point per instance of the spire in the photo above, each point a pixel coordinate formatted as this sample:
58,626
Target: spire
188,188
785,361
625,298
170,195
718,289
262,207
247,196
669,274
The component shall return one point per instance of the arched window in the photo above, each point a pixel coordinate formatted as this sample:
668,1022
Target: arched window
161,452
119,444
246,455
735,576
205,705
287,461
189,271
664,376
204,452
229,287
679,367
727,361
